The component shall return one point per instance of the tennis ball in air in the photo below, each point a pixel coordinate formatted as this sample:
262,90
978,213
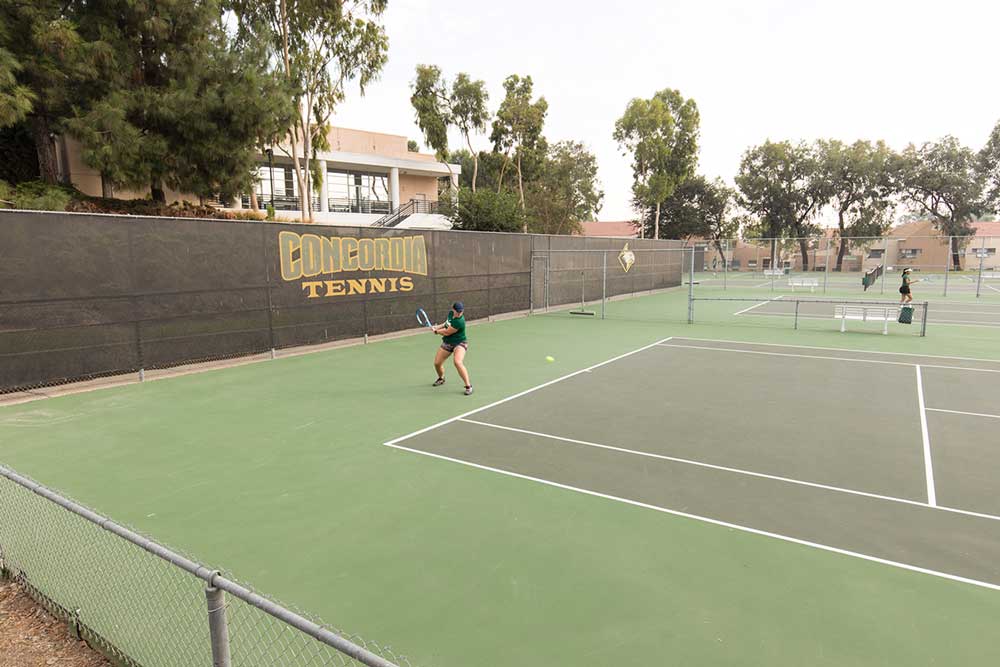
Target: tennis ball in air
550,359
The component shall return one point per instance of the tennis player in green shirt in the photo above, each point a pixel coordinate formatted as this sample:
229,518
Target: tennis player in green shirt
453,342
905,295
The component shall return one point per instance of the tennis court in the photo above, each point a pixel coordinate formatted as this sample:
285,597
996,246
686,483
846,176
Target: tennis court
663,493
881,457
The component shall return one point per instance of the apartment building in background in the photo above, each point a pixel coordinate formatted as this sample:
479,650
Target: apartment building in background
369,178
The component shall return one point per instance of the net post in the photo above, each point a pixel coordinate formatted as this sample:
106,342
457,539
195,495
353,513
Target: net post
826,266
691,289
797,302
604,282
947,263
218,625
923,321
979,280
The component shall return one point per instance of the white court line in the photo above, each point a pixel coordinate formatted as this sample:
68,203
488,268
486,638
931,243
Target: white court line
836,349
737,471
959,412
816,356
519,394
705,519
928,464
758,305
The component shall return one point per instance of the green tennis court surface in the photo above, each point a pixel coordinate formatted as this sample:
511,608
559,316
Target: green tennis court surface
782,459
767,500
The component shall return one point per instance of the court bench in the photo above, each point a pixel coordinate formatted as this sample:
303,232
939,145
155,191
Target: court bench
811,283
866,314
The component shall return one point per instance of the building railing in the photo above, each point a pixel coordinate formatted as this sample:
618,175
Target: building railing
349,205
412,207
144,604
334,204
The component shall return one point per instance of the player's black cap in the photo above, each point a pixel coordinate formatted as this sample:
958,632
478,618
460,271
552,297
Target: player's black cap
458,306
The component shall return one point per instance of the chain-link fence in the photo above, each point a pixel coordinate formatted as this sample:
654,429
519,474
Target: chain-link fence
947,265
604,271
144,604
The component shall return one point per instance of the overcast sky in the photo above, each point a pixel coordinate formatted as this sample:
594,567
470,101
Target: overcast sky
900,70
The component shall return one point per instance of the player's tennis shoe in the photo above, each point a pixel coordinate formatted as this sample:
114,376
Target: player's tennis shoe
468,391
438,382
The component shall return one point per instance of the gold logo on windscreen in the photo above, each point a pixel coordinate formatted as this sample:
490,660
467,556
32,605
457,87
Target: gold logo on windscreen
626,258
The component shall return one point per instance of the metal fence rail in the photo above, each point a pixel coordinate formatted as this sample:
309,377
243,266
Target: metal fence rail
149,605
961,265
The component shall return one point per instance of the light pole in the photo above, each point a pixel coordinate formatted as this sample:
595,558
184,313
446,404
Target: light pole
270,171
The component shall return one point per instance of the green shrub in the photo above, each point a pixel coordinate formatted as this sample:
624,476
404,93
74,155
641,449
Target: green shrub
6,195
485,211
36,196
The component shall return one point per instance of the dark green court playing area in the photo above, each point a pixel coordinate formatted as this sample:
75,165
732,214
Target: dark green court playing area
795,447
731,492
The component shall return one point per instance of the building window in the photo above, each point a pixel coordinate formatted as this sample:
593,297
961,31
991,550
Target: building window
909,253
985,252
358,192
876,253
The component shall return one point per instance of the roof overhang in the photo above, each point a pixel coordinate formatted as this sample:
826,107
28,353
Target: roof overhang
384,163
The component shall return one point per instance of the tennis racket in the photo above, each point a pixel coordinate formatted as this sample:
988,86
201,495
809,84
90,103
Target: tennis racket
422,318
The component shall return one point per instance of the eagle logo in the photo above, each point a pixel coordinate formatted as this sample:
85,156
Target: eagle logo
626,258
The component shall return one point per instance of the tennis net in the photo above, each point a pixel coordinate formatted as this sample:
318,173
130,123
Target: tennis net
816,314
871,276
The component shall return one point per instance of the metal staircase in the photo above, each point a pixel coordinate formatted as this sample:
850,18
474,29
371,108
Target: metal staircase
412,207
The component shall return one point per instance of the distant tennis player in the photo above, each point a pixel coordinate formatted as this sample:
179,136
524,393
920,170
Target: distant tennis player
453,342
904,289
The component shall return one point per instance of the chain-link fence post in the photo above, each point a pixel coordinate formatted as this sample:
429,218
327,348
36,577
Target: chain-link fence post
140,362
691,289
885,264
947,263
982,256
725,266
218,626
923,321
604,281
826,266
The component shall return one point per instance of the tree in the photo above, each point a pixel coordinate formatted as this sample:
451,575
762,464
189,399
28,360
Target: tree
469,113
862,180
20,161
322,46
44,70
785,185
661,134
16,100
412,146
566,191
487,211
989,168
178,106
429,99
517,128
945,180
699,207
